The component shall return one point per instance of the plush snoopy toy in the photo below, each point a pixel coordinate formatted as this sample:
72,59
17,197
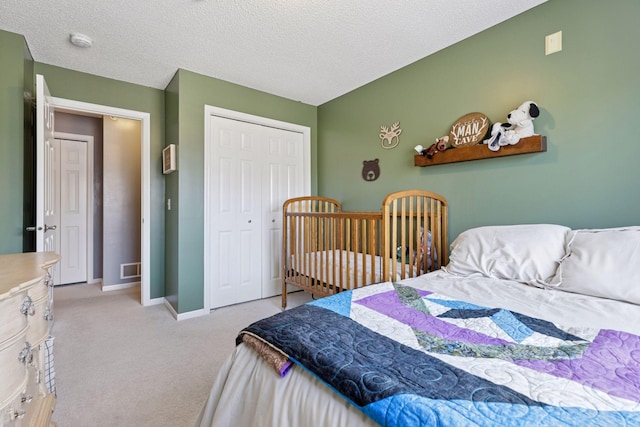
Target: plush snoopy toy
520,125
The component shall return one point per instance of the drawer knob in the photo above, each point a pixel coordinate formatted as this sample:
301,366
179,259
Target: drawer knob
27,307
48,280
18,415
26,355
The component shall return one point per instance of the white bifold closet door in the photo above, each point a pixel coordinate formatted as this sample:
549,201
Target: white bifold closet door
253,170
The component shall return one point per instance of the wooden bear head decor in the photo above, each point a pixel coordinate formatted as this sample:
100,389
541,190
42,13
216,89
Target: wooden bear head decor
370,170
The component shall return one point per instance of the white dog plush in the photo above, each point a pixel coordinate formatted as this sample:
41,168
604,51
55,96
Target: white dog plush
520,125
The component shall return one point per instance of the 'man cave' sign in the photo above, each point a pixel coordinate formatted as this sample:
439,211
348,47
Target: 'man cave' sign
469,129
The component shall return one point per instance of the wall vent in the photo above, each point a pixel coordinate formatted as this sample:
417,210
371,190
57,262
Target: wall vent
130,270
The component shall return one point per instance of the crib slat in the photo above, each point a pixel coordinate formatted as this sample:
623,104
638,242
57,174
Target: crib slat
372,251
436,230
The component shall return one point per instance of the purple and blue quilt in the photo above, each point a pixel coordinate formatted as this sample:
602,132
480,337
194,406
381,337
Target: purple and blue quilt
410,357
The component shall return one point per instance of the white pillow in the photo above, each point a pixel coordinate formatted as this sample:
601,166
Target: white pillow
603,263
528,253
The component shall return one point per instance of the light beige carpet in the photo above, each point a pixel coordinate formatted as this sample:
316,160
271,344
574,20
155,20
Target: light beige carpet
118,363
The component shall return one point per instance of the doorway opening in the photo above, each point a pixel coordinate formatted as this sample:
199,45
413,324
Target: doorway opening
144,121
98,213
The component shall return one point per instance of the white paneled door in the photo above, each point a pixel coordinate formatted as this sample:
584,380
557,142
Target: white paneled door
46,162
282,179
236,208
252,170
72,190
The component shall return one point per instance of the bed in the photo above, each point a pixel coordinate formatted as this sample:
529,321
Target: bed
526,325
327,250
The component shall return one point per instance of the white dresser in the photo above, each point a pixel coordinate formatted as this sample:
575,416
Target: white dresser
26,313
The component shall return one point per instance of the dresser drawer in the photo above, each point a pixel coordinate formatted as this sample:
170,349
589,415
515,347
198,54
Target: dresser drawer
12,320
39,322
39,290
14,372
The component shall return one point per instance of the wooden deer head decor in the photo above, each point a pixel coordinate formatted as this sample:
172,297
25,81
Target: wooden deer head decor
390,138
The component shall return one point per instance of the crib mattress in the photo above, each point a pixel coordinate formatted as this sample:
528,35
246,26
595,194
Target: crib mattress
347,268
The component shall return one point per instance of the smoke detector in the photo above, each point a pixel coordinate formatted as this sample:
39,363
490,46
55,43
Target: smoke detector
80,40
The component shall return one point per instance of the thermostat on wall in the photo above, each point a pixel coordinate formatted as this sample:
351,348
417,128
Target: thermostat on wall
169,159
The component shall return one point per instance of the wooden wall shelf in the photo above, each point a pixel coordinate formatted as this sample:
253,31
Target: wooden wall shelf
532,144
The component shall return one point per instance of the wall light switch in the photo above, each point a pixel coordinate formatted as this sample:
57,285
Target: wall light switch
553,43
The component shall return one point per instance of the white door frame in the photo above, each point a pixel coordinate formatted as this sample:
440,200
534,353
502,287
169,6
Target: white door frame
145,119
88,139
209,111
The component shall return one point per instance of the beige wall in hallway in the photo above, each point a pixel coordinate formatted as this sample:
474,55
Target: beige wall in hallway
121,197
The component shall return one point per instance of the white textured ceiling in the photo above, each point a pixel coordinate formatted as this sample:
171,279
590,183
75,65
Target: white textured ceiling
305,50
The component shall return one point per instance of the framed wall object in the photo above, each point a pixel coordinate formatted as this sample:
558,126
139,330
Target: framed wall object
169,159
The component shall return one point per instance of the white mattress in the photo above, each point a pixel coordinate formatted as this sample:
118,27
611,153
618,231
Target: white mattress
352,267
248,392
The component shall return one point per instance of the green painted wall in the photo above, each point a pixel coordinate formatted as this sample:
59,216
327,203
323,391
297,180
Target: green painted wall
69,84
590,99
12,88
171,225
194,92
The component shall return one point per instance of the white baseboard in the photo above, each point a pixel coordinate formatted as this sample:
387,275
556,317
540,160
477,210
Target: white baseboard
155,301
183,316
107,288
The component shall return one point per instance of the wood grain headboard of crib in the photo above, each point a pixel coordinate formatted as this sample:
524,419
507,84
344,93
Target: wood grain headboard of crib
327,250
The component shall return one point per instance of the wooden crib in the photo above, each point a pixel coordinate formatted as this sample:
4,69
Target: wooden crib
327,250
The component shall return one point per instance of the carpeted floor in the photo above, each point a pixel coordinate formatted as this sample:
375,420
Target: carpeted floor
121,364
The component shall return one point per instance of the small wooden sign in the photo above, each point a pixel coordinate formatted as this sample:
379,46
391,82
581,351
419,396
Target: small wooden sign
468,130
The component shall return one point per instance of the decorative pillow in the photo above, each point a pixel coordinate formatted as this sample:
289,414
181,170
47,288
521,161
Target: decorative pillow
528,253
603,263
